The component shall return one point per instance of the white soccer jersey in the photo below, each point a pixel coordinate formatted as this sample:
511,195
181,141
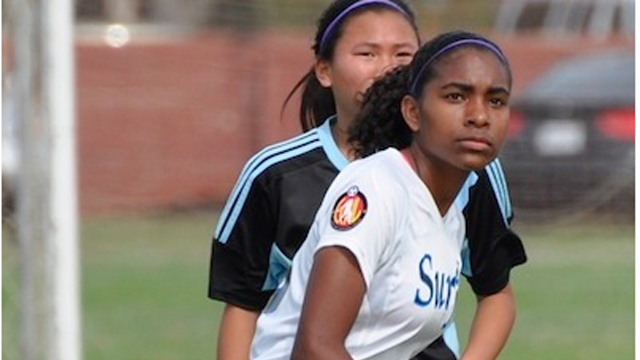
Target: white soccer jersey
409,255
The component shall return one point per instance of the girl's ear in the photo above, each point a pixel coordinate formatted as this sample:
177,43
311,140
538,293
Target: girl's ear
323,72
410,112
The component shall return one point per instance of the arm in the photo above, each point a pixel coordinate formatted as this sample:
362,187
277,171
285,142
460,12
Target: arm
239,264
494,249
334,295
237,327
491,326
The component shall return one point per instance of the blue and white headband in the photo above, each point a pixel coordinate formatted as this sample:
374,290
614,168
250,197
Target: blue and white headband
483,43
345,12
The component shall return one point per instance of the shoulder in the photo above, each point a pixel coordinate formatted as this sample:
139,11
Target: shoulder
275,158
377,165
493,178
486,188
257,182
495,173
381,175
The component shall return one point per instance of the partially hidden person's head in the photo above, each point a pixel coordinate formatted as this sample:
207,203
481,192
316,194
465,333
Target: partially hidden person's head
454,93
356,41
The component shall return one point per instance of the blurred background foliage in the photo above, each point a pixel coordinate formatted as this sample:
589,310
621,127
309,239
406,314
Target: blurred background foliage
251,14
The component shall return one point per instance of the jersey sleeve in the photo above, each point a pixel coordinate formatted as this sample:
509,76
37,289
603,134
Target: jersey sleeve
241,248
360,217
493,247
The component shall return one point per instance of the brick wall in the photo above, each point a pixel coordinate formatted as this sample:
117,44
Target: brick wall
170,123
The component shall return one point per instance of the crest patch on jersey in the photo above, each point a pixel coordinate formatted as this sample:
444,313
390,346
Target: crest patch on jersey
349,209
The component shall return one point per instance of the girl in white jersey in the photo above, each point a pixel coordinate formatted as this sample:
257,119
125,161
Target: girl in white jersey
378,274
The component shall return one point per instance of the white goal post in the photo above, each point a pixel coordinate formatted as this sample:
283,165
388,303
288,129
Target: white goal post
43,76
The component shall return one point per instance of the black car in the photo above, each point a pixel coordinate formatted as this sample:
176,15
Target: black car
571,146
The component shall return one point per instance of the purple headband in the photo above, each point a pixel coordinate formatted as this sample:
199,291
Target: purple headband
349,9
484,43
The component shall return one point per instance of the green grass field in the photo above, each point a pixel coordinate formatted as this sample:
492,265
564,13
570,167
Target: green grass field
144,283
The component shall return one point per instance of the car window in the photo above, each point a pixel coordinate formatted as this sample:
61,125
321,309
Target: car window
608,76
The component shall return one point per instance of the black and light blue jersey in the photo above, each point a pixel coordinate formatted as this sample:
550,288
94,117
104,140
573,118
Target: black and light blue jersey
268,215
491,248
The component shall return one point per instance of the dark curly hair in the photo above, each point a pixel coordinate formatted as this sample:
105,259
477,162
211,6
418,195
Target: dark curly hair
379,124
317,102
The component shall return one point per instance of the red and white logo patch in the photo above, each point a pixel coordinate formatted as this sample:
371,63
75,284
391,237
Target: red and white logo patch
349,210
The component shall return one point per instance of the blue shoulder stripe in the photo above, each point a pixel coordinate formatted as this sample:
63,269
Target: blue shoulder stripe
462,200
255,166
499,184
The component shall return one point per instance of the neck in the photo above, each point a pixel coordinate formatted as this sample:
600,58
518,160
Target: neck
443,180
341,137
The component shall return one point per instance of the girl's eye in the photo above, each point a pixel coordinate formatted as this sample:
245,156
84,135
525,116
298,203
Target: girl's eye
498,102
366,54
455,96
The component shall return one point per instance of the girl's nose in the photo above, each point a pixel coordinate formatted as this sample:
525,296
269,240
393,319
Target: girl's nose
477,113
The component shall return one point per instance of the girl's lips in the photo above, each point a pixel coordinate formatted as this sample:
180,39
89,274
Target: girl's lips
475,143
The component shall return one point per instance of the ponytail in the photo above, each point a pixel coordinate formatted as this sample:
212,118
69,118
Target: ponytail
316,104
